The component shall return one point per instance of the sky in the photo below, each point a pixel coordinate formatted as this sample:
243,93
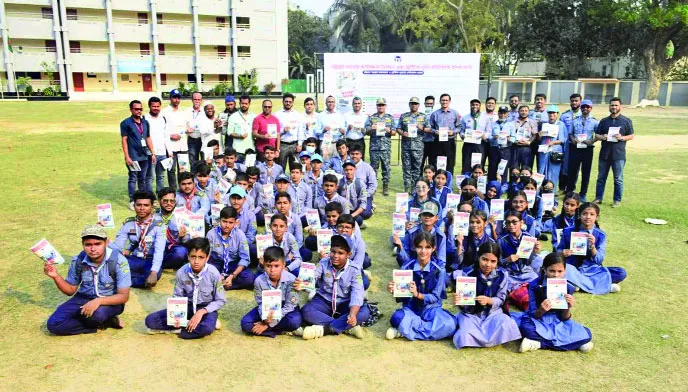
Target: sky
317,6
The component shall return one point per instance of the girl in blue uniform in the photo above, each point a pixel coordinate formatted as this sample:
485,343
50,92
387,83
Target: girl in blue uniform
454,240
547,187
469,193
485,324
536,210
518,180
544,327
422,317
493,191
587,272
440,188
469,245
567,218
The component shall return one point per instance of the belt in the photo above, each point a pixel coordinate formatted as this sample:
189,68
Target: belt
289,143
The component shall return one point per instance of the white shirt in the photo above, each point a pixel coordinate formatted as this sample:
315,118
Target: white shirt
290,123
176,125
158,133
192,120
334,120
206,130
241,124
358,122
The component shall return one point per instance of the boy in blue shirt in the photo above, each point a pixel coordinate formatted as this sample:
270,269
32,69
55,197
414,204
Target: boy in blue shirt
175,253
137,146
191,198
275,277
329,186
229,252
99,281
201,283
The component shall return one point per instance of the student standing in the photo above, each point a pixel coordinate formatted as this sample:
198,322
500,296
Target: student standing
137,147
581,145
193,116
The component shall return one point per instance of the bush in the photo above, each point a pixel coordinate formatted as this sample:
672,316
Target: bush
254,90
269,88
222,88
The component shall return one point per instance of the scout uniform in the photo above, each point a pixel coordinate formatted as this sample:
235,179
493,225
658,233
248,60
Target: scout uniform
145,240
291,316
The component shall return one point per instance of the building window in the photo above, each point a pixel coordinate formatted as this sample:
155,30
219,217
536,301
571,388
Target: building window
125,77
72,14
161,49
144,49
91,75
222,51
143,18
244,51
47,12
50,46
74,47
191,78
159,18
221,21
163,79
243,22
224,77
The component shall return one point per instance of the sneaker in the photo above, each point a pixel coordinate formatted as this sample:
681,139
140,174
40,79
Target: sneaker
373,207
218,324
296,332
363,226
131,205
162,331
367,274
616,204
586,347
392,333
313,332
395,251
597,201
529,345
356,332
615,288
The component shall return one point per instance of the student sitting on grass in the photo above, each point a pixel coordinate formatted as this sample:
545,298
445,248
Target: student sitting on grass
428,218
339,304
329,186
269,170
201,283
422,317
553,329
93,306
191,198
229,252
283,206
175,252
286,241
275,277
566,219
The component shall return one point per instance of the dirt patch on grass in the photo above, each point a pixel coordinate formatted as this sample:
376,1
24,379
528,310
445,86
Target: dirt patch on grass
658,143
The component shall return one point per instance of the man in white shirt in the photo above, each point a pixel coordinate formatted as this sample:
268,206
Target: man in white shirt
355,125
310,126
193,118
159,137
332,123
175,125
290,124
239,126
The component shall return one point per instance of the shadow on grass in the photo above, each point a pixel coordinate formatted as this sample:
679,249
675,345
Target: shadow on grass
112,188
47,287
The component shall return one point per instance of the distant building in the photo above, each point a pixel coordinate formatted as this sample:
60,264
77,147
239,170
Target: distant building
605,67
143,45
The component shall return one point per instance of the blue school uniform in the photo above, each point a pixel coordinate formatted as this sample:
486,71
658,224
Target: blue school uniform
204,291
486,325
523,270
441,195
291,316
467,259
336,293
536,211
551,330
268,174
227,254
408,250
292,256
146,243
551,169
322,201
175,253
424,319
530,225
198,203
301,197
587,272
559,222
478,204
315,183
357,197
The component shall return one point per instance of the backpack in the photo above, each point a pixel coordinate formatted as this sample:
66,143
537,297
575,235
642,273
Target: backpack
111,265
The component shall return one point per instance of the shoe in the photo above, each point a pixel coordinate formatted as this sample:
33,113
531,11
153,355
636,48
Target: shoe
218,324
385,190
367,274
162,331
597,201
529,345
373,207
311,294
616,204
313,332
392,333
131,205
363,226
356,332
586,347
297,332
395,251
615,288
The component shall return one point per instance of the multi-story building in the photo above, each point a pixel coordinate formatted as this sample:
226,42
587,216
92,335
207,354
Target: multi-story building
142,45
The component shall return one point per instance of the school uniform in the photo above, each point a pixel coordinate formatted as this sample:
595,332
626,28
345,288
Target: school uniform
587,272
546,166
408,250
301,198
204,291
478,204
537,212
295,228
486,325
93,282
209,190
523,270
197,202
550,330
226,255
268,174
315,183
175,252
291,316
470,244
336,163
292,256
369,177
357,197
560,222
441,195
529,225
322,201
424,319
336,293
146,243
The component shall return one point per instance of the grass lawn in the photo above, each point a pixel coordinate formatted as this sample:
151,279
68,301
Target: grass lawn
61,159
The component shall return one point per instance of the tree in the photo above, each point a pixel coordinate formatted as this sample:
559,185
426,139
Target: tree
308,34
300,65
355,17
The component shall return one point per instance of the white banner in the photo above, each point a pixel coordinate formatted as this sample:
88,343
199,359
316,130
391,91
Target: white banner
399,76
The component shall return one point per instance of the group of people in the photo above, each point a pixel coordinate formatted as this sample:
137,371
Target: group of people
239,183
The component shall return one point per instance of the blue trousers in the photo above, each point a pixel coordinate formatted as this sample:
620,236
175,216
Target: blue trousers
158,320
311,243
496,155
603,166
139,178
290,322
368,212
158,172
175,257
521,156
319,312
68,320
140,269
580,159
618,274
529,331
195,146
242,281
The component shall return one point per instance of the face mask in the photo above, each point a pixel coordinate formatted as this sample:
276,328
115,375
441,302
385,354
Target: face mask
310,149
467,195
525,179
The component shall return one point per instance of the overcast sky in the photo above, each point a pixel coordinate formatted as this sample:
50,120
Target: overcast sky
317,6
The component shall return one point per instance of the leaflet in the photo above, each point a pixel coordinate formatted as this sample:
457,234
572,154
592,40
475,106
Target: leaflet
441,163
550,130
482,184
530,196
476,159
184,163
105,217
556,293
414,215
307,276
313,218
399,224
250,160
611,135
324,240
547,201
497,209
47,252
525,248
502,166
465,290
177,308
401,205
263,241
271,301
453,201
579,243
380,129
443,134
402,283
196,225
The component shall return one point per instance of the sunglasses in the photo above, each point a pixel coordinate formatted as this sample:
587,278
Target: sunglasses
510,222
267,107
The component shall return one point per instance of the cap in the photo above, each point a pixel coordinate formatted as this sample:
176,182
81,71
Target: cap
304,154
94,231
282,177
381,101
342,241
206,103
219,156
317,157
229,98
414,100
586,102
504,109
552,109
175,93
349,162
430,207
237,190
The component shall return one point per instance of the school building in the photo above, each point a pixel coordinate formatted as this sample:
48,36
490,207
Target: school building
141,45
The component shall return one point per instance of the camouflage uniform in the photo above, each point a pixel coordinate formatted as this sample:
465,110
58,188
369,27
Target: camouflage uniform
411,148
380,146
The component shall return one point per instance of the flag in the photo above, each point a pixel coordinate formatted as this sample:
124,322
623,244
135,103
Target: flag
9,44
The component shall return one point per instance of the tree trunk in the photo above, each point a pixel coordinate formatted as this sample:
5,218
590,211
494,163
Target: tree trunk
655,74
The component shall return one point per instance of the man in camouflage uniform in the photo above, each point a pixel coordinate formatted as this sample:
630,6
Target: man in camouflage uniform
381,146
412,127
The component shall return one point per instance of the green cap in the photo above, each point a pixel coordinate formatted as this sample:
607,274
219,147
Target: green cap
430,207
414,100
381,101
94,231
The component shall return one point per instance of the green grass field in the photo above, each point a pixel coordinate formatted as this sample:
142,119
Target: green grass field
61,159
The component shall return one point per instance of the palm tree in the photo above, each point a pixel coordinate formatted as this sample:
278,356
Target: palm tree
299,65
354,17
